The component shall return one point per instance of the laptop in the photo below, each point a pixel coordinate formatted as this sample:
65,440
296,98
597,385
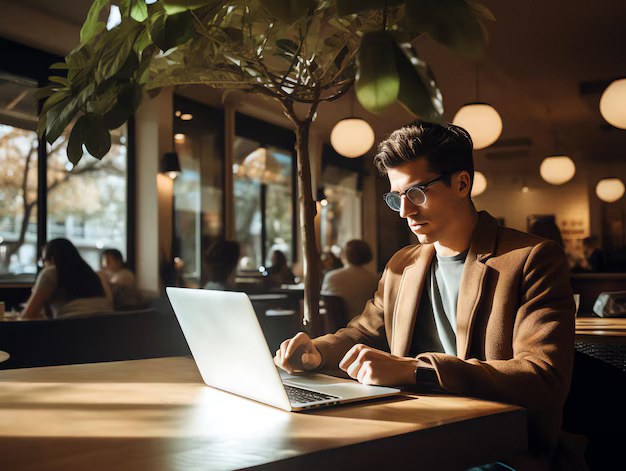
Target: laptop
229,347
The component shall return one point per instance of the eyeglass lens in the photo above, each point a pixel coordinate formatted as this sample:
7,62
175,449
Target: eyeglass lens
414,195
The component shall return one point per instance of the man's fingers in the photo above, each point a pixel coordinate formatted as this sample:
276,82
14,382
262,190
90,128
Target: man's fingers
350,357
298,340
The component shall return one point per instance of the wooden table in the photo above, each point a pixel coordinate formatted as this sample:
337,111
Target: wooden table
601,330
157,415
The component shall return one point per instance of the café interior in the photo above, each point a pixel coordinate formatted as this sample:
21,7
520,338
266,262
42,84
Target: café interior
196,165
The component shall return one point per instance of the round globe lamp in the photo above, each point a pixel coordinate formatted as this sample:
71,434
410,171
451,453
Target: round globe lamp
610,189
352,137
613,104
481,121
557,169
480,184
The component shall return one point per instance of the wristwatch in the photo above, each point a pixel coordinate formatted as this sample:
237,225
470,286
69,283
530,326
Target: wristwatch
425,375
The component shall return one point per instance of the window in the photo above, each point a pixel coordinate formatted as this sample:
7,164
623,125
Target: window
264,189
18,179
263,202
198,189
86,204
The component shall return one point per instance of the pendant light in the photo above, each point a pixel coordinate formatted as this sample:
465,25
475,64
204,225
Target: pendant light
557,168
613,104
610,189
479,185
480,120
352,137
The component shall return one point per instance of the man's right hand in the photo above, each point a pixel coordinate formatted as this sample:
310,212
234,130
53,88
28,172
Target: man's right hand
298,354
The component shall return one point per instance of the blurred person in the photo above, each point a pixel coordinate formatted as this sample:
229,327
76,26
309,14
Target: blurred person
354,283
330,262
121,280
474,309
279,272
221,260
593,260
546,227
67,286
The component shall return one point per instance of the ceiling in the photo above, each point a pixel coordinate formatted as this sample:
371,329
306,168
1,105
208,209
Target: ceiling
538,56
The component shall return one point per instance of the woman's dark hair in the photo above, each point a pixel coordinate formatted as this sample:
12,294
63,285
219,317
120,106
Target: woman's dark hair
221,258
278,259
75,279
446,147
114,254
358,252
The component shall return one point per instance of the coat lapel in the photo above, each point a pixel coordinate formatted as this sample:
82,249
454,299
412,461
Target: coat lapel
405,310
473,280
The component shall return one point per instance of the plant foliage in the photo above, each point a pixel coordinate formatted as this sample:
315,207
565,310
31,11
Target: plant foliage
293,50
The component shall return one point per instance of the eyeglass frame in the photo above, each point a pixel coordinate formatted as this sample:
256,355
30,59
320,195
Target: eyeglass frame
420,187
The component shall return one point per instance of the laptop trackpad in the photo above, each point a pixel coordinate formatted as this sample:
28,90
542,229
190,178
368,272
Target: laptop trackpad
344,388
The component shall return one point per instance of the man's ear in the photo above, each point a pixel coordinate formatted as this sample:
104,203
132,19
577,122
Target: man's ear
464,183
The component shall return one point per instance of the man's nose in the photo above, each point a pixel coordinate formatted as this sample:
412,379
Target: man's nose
406,207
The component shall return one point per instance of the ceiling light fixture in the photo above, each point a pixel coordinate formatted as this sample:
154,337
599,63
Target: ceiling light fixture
352,137
557,169
613,104
610,189
480,184
480,120
186,116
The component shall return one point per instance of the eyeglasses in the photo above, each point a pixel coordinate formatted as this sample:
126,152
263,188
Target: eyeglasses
415,194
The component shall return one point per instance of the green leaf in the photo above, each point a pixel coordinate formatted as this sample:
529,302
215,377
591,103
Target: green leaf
377,82
60,115
60,65
116,116
171,31
136,9
289,11
54,99
452,23
128,68
418,90
116,46
76,141
61,80
130,98
44,92
177,6
348,7
97,136
90,27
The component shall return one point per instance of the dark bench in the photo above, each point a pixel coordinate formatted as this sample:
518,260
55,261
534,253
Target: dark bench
130,335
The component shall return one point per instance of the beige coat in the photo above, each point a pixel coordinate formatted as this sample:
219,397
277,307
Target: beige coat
515,324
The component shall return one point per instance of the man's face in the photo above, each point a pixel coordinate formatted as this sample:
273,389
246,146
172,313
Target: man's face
434,220
109,263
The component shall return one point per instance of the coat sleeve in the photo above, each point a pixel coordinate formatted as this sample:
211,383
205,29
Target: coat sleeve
368,328
538,375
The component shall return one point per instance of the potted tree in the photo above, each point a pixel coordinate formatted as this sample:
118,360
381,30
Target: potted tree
292,51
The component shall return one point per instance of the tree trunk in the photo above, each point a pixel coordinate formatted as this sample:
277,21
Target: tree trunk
312,263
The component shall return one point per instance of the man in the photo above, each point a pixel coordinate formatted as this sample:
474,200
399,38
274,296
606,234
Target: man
354,283
475,309
122,281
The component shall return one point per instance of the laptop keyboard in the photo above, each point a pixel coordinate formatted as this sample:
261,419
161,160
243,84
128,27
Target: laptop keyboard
303,396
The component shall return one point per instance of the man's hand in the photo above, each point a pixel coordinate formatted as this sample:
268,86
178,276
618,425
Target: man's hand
371,366
298,354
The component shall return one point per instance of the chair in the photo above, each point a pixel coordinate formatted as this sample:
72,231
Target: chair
596,408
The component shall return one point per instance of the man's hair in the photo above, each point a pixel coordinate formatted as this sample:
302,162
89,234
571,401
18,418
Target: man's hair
358,252
446,147
114,254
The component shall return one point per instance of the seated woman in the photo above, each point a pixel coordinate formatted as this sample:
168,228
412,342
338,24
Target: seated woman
67,286
122,281
279,273
221,260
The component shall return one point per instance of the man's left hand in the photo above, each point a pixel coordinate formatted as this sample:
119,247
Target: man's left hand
370,366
